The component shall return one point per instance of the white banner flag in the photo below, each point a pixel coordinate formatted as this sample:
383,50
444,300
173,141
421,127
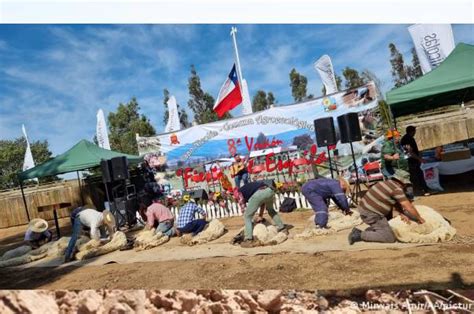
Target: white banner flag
433,43
28,161
101,131
173,116
324,67
246,103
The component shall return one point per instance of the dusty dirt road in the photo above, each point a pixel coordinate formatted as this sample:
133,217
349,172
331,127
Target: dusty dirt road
441,266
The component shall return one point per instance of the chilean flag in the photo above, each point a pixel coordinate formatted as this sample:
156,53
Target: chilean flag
229,95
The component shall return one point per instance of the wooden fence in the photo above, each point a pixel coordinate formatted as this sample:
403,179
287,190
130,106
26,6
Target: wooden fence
41,201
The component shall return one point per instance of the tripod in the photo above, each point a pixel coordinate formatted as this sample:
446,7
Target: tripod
356,190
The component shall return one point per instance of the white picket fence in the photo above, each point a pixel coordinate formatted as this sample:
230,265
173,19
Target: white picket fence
233,209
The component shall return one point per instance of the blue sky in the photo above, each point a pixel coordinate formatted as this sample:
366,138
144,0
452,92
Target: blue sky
54,78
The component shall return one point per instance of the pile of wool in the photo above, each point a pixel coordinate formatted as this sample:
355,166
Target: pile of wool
214,230
49,250
337,221
93,247
435,228
268,234
147,239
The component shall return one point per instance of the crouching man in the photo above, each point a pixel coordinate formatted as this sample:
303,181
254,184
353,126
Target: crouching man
37,233
158,216
378,203
186,222
98,222
251,197
318,192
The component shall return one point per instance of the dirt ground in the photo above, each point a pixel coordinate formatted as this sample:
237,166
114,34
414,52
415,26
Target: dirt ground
440,266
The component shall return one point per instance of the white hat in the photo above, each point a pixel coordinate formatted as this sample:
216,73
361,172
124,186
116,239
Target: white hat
38,225
109,221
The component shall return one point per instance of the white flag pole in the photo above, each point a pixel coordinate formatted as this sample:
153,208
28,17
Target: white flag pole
247,106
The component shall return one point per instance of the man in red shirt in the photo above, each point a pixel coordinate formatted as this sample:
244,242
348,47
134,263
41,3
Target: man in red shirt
159,216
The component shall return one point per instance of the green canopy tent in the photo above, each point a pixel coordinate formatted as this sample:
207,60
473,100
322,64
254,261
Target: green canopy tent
84,155
452,82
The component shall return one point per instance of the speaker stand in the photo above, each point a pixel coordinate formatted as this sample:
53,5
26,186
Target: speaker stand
357,190
330,162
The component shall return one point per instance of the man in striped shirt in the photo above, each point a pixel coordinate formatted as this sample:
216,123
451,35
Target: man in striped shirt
378,203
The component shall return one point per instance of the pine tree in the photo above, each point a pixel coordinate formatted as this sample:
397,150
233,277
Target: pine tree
298,85
399,70
125,124
368,76
414,71
352,77
271,99
260,101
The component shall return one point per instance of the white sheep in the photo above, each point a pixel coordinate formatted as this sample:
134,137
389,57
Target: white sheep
435,229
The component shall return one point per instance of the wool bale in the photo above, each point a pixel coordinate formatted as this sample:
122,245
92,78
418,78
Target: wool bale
268,234
435,229
118,241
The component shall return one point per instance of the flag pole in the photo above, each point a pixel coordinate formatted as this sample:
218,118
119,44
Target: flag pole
233,32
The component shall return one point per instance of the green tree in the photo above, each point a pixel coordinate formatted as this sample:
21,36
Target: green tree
414,71
368,76
201,103
303,141
262,101
183,115
12,154
298,85
352,77
399,70
338,84
271,99
125,124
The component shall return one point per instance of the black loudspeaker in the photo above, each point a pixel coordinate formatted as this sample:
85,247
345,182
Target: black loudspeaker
106,171
198,194
325,132
349,127
124,211
119,168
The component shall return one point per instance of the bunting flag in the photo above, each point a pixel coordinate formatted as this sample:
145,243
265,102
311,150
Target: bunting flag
433,43
101,131
28,161
324,67
173,123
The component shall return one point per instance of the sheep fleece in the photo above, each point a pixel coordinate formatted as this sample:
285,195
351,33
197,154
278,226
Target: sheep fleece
268,235
147,239
90,249
214,230
435,228
337,221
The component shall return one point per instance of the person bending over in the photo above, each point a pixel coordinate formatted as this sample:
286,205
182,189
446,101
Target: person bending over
37,233
377,205
319,191
251,197
158,216
186,223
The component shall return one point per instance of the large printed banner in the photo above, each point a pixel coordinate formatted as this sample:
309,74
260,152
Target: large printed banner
287,127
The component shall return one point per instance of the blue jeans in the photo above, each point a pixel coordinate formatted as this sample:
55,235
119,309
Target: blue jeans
243,177
194,227
166,227
319,206
76,230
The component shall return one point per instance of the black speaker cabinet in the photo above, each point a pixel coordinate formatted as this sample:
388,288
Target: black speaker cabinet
325,132
106,171
349,127
119,168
